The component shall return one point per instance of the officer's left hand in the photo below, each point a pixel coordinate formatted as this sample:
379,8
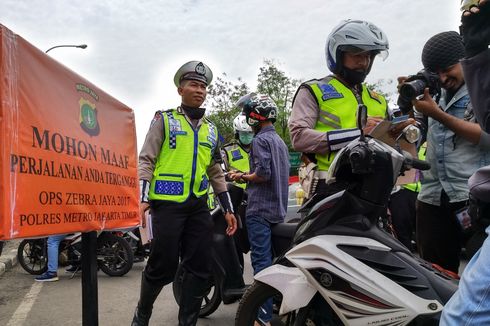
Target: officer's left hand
232,225
398,128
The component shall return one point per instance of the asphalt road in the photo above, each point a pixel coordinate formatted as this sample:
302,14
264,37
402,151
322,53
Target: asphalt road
24,302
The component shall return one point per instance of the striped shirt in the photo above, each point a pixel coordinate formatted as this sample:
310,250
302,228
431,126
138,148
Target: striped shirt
269,159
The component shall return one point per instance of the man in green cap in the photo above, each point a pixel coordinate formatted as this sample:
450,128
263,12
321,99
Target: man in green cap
180,156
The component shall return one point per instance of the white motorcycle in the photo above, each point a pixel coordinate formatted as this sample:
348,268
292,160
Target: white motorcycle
342,268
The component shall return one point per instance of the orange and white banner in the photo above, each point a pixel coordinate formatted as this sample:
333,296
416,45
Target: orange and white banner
67,149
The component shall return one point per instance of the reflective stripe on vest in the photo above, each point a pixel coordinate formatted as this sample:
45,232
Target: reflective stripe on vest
338,109
238,159
186,153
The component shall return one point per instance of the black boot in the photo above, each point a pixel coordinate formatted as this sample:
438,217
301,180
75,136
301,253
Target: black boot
193,290
148,294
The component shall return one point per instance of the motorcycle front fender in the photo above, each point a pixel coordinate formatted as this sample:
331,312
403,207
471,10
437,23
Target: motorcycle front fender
291,282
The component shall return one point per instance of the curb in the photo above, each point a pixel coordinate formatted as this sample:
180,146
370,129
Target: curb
8,261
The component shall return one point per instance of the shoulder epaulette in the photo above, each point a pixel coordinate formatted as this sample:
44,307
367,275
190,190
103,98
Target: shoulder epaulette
325,80
375,96
209,121
232,143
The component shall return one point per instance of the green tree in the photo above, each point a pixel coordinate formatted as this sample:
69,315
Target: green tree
281,88
382,87
222,95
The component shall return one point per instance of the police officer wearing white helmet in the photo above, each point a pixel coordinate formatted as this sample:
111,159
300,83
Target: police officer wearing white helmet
323,117
178,160
236,153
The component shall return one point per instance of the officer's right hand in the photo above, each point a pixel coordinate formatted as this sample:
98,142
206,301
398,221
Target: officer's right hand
143,208
235,176
371,123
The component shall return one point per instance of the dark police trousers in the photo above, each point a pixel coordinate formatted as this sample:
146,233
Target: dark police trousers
182,230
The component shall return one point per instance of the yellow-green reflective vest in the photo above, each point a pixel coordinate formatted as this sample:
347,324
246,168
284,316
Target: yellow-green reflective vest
238,159
415,186
186,153
338,109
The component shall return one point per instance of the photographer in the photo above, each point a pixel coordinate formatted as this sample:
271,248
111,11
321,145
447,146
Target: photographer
471,303
456,148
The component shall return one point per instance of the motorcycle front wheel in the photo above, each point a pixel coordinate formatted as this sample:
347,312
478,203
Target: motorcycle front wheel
114,255
211,300
316,312
32,256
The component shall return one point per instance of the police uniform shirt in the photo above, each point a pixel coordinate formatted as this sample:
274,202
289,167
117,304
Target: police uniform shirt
153,144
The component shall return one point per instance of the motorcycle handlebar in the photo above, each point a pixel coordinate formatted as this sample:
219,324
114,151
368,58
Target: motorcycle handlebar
415,163
360,159
421,165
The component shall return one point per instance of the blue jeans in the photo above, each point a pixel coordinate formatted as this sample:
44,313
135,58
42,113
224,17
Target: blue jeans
53,251
470,305
259,235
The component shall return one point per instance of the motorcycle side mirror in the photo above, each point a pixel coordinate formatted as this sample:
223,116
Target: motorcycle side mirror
361,118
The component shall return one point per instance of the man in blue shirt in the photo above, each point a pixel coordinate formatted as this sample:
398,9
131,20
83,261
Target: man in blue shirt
267,184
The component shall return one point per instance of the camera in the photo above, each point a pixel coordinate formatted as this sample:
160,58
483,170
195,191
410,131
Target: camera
415,85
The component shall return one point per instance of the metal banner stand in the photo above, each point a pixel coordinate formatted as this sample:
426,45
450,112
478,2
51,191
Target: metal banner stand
90,303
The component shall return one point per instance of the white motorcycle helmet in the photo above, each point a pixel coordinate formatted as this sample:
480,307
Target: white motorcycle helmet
354,36
240,124
243,132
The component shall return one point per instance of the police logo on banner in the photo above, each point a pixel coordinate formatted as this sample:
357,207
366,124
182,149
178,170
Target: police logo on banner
88,112
88,117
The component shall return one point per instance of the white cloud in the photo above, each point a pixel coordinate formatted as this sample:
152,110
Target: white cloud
135,47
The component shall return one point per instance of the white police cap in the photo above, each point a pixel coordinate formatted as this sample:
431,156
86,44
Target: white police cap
193,70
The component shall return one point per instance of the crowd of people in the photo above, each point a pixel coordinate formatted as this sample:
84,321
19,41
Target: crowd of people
453,122
182,156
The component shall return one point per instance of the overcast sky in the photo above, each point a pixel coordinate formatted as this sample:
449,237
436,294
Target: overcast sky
135,47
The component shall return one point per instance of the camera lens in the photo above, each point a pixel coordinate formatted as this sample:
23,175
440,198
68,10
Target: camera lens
412,89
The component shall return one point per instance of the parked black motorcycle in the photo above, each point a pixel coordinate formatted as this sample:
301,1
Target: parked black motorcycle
114,255
140,251
226,284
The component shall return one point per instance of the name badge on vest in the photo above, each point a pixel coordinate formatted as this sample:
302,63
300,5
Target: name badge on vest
329,92
175,130
212,137
236,155
174,125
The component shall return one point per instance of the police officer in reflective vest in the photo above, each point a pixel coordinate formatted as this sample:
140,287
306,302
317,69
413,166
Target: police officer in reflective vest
236,159
178,160
323,117
236,153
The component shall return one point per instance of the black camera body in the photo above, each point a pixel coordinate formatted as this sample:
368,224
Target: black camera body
415,85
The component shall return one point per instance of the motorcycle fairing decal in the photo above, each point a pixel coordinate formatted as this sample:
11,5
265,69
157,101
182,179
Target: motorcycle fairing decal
291,282
388,303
